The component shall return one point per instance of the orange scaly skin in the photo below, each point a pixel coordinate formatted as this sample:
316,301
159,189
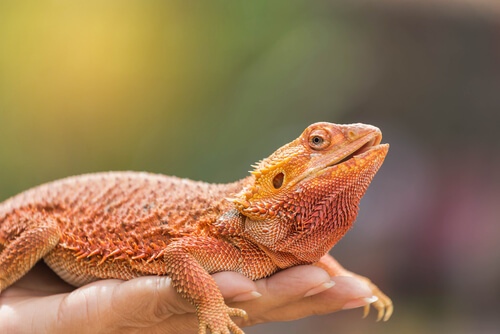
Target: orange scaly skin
293,208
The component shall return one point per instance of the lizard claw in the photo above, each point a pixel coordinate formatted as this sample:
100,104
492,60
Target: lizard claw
383,304
366,310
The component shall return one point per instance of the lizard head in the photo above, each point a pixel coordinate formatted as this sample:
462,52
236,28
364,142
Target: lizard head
307,192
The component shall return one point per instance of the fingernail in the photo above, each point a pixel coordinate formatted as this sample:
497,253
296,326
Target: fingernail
246,296
359,302
319,288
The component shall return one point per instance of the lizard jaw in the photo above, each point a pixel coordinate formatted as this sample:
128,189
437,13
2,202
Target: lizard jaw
361,146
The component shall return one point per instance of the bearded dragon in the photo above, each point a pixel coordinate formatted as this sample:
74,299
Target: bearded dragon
291,210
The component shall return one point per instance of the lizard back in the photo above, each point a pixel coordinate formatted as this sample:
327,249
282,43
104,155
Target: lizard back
116,216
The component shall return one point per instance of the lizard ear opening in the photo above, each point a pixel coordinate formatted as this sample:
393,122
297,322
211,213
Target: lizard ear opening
278,180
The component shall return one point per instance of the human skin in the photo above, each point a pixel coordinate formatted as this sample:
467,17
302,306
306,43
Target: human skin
42,303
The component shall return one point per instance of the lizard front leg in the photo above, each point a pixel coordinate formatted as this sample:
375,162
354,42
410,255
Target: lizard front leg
383,305
189,262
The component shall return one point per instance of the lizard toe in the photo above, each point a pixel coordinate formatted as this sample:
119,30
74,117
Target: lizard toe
237,312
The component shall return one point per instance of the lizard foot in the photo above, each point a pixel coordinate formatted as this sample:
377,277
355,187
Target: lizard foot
383,305
219,321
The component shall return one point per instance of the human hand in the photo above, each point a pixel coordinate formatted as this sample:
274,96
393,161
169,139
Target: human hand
42,303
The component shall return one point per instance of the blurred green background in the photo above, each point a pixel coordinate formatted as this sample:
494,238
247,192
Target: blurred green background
204,89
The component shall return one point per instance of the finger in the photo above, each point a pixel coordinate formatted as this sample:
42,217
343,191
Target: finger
346,290
149,303
235,286
293,284
286,287
154,299
92,301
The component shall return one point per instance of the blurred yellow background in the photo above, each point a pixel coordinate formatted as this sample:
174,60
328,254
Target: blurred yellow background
204,89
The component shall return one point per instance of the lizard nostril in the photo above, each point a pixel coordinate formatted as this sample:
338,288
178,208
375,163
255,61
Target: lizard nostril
278,180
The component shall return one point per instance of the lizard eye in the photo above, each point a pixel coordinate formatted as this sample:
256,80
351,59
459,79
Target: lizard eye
319,140
278,180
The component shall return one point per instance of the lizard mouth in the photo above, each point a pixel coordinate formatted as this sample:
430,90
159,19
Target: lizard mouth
358,148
